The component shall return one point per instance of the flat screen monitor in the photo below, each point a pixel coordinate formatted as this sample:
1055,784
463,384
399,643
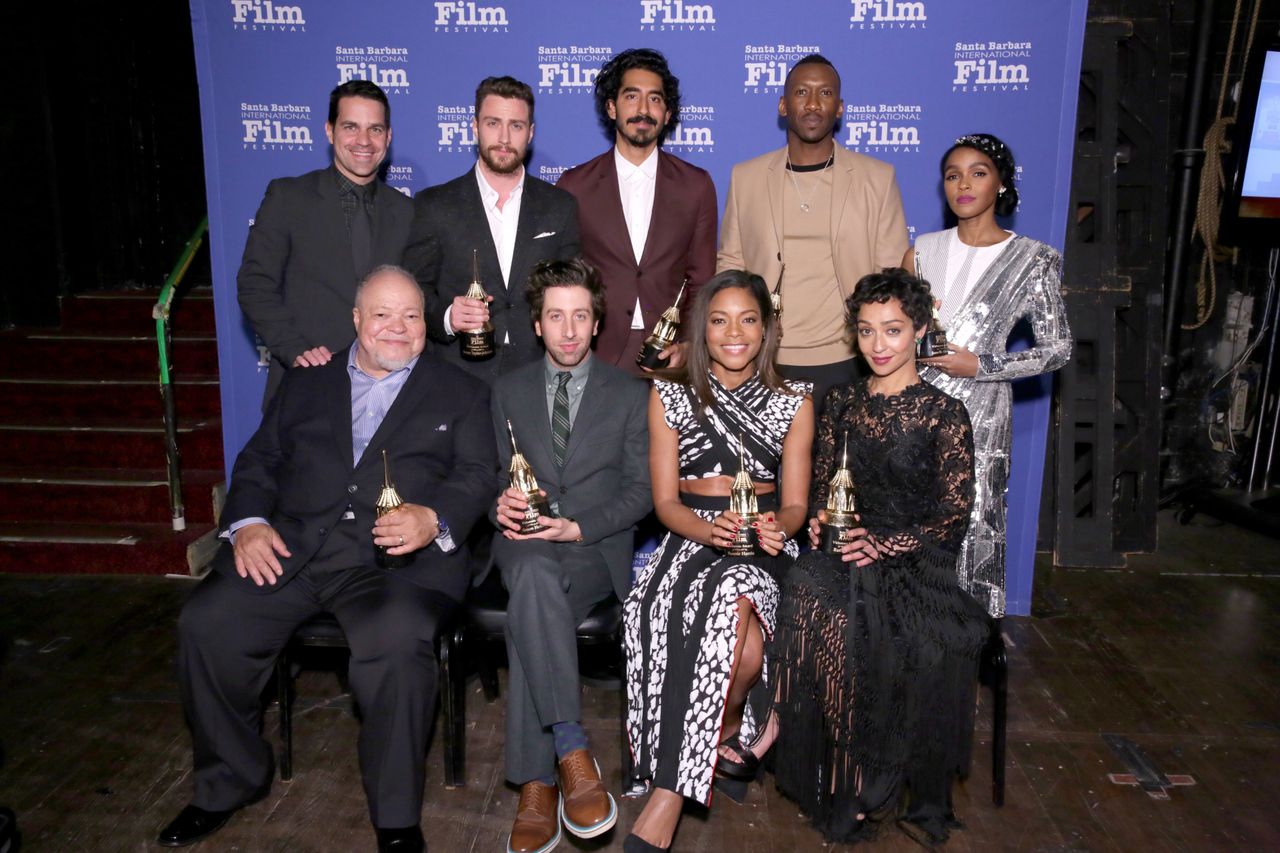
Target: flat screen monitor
1252,215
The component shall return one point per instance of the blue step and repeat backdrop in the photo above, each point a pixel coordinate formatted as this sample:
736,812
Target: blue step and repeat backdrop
915,76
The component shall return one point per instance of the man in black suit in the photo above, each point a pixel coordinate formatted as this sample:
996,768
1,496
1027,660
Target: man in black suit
581,424
302,525
513,219
315,236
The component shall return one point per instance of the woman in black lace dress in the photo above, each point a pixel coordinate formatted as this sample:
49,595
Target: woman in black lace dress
877,648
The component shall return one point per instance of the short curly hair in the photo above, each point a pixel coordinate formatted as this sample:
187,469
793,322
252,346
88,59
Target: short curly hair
1001,155
913,293
609,83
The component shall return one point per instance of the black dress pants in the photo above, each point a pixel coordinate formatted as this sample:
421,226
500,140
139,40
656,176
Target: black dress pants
230,636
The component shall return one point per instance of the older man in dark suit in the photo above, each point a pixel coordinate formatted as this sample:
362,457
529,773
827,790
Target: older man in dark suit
648,218
302,524
315,236
581,425
512,219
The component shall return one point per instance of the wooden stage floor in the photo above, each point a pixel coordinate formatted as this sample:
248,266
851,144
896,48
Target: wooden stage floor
1180,653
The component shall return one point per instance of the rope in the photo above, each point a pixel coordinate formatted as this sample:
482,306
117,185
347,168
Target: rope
1213,181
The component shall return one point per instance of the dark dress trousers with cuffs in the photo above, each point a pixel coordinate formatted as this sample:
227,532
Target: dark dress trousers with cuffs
449,221
297,471
681,242
604,486
297,279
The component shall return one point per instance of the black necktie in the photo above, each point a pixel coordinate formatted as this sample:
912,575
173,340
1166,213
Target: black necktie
361,233
560,418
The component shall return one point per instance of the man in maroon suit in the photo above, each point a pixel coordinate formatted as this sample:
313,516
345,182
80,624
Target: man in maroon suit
648,219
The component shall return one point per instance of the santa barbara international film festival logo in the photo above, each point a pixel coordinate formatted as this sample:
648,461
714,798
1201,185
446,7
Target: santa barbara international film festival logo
766,66
400,179
465,16
455,133
665,16
384,66
693,133
991,66
882,128
275,127
570,69
887,15
266,16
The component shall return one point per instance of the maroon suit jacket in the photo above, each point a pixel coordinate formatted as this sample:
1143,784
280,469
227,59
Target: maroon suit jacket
681,242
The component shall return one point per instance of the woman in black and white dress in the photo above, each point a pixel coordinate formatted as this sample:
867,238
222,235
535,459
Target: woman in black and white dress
697,620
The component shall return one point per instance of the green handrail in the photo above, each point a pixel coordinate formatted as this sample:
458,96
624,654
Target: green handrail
164,343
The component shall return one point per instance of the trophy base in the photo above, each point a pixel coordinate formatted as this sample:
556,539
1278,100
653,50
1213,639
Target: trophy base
932,345
648,357
390,561
529,524
833,537
477,347
747,542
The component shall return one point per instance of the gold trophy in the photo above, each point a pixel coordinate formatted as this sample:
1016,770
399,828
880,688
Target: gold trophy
837,529
775,298
389,500
477,345
742,500
934,342
523,481
664,334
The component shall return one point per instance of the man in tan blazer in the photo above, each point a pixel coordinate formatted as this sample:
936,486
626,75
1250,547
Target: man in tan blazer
827,215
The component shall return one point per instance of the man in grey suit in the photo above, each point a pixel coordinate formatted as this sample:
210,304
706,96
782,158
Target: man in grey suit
581,424
510,217
317,235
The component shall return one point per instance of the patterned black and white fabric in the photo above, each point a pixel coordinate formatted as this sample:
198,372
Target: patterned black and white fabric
681,618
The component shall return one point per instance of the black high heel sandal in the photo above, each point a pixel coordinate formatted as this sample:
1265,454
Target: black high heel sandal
635,844
743,770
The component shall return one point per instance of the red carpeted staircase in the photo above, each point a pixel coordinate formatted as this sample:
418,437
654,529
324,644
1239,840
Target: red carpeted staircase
83,486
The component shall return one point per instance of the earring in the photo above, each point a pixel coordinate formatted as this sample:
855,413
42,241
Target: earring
1002,189
918,340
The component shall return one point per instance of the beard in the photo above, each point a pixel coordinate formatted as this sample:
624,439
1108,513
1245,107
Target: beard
498,167
639,133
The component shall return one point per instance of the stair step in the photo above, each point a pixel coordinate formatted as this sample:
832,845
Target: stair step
55,444
190,313
57,355
104,499
104,398
69,548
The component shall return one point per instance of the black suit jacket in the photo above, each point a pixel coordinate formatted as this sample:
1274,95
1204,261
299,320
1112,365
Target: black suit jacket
681,242
297,281
604,484
297,472
448,222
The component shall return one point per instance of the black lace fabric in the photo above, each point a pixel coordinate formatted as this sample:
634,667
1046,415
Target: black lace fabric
878,665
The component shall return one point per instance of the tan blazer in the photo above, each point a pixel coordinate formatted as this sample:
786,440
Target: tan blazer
868,229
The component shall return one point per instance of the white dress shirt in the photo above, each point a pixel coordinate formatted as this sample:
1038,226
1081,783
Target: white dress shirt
636,187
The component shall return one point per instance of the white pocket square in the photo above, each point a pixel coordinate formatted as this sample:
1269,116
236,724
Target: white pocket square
545,234
442,428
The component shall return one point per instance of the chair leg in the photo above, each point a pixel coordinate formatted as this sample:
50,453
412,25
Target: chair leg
999,712
284,694
453,775
488,671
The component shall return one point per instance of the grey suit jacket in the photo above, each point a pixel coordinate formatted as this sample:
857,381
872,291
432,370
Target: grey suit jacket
604,484
297,281
448,223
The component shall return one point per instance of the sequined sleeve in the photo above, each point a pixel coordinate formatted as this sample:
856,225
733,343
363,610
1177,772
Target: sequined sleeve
1043,306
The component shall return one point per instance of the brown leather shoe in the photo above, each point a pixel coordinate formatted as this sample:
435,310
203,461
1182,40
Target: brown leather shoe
537,825
586,808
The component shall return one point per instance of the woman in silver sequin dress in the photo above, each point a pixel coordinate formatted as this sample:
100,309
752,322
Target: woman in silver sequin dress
988,279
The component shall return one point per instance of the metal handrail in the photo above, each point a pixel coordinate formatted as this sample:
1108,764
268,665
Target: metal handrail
164,344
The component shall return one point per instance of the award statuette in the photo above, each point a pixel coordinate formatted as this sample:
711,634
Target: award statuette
664,334
742,500
477,345
840,507
523,481
934,342
389,500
